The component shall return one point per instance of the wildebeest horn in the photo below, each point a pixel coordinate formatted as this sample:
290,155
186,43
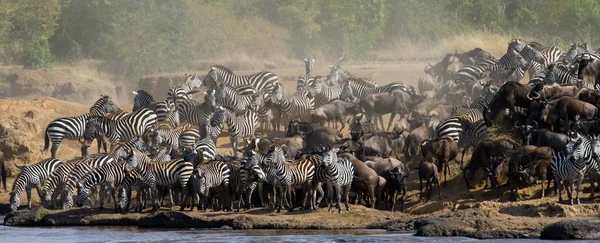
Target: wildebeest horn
349,120
536,124
517,126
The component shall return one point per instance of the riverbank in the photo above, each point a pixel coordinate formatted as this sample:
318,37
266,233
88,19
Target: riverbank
478,220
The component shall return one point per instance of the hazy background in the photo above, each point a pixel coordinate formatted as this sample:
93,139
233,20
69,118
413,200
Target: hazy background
127,39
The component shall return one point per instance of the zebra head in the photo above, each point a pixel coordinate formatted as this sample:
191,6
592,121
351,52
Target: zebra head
278,93
348,95
573,145
15,201
252,164
199,178
83,196
595,147
330,156
193,81
257,100
517,60
103,106
532,54
133,159
274,156
517,44
209,98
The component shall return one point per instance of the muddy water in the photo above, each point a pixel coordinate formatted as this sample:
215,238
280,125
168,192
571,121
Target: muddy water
134,234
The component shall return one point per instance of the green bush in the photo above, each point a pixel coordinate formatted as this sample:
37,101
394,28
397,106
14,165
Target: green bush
37,53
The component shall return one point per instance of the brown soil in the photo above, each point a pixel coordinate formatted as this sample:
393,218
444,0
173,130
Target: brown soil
21,139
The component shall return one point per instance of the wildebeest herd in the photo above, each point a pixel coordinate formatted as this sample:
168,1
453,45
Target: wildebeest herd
168,148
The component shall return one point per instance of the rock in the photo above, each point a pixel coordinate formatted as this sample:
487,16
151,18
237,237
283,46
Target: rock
435,226
571,229
497,234
174,219
242,222
24,217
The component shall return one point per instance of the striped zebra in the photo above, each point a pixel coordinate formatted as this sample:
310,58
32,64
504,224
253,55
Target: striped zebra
257,157
574,51
166,135
451,127
535,59
472,134
184,90
249,176
583,152
136,124
361,88
516,44
266,111
88,165
133,180
471,72
32,176
561,74
324,92
192,112
143,99
550,55
229,97
109,177
296,106
512,59
213,175
290,175
484,98
202,150
166,113
167,174
74,127
262,81
338,174
56,181
163,154
238,126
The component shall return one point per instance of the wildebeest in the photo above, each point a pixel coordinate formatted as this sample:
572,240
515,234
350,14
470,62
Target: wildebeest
509,95
428,172
525,162
365,178
443,149
334,111
590,96
394,102
382,144
414,139
567,108
542,137
480,159
360,124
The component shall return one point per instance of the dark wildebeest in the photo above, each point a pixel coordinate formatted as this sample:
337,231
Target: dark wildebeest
334,111
414,139
590,96
509,95
395,173
365,179
443,149
382,144
360,124
525,162
430,173
395,102
555,91
482,153
542,137
567,108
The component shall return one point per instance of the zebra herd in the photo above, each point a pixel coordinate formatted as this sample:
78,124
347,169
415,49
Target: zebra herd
168,148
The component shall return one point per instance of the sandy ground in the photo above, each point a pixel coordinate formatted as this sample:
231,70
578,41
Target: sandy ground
23,123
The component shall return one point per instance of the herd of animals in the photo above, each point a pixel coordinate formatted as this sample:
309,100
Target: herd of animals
168,148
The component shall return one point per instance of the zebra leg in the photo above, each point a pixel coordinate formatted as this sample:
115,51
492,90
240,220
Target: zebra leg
391,119
234,145
347,197
579,181
54,148
28,190
338,197
171,196
260,194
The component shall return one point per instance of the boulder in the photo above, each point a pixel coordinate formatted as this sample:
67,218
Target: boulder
572,230
24,217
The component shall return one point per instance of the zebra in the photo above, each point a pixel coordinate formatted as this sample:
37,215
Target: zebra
160,174
132,179
137,124
361,88
229,97
266,111
205,148
309,65
166,113
294,106
535,59
184,90
338,173
73,127
324,92
143,99
484,98
561,74
166,135
582,153
574,51
290,175
472,134
32,176
56,181
512,59
451,127
242,126
250,175
87,165
163,154
550,55
516,44
109,177
211,175
192,112
262,81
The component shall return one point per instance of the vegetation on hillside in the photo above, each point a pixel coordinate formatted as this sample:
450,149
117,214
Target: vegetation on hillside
149,36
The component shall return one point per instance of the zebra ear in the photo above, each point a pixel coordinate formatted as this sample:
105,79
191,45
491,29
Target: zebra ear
213,67
134,92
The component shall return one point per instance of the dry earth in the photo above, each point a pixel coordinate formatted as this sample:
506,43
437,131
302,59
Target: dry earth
21,139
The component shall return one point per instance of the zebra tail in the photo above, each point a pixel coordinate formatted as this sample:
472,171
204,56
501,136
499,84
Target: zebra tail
3,173
46,140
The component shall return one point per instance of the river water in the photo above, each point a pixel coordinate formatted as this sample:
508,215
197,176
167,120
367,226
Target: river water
134,234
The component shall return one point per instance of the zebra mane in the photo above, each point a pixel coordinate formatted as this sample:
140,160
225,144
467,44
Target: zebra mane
221,68
144,92
360,81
